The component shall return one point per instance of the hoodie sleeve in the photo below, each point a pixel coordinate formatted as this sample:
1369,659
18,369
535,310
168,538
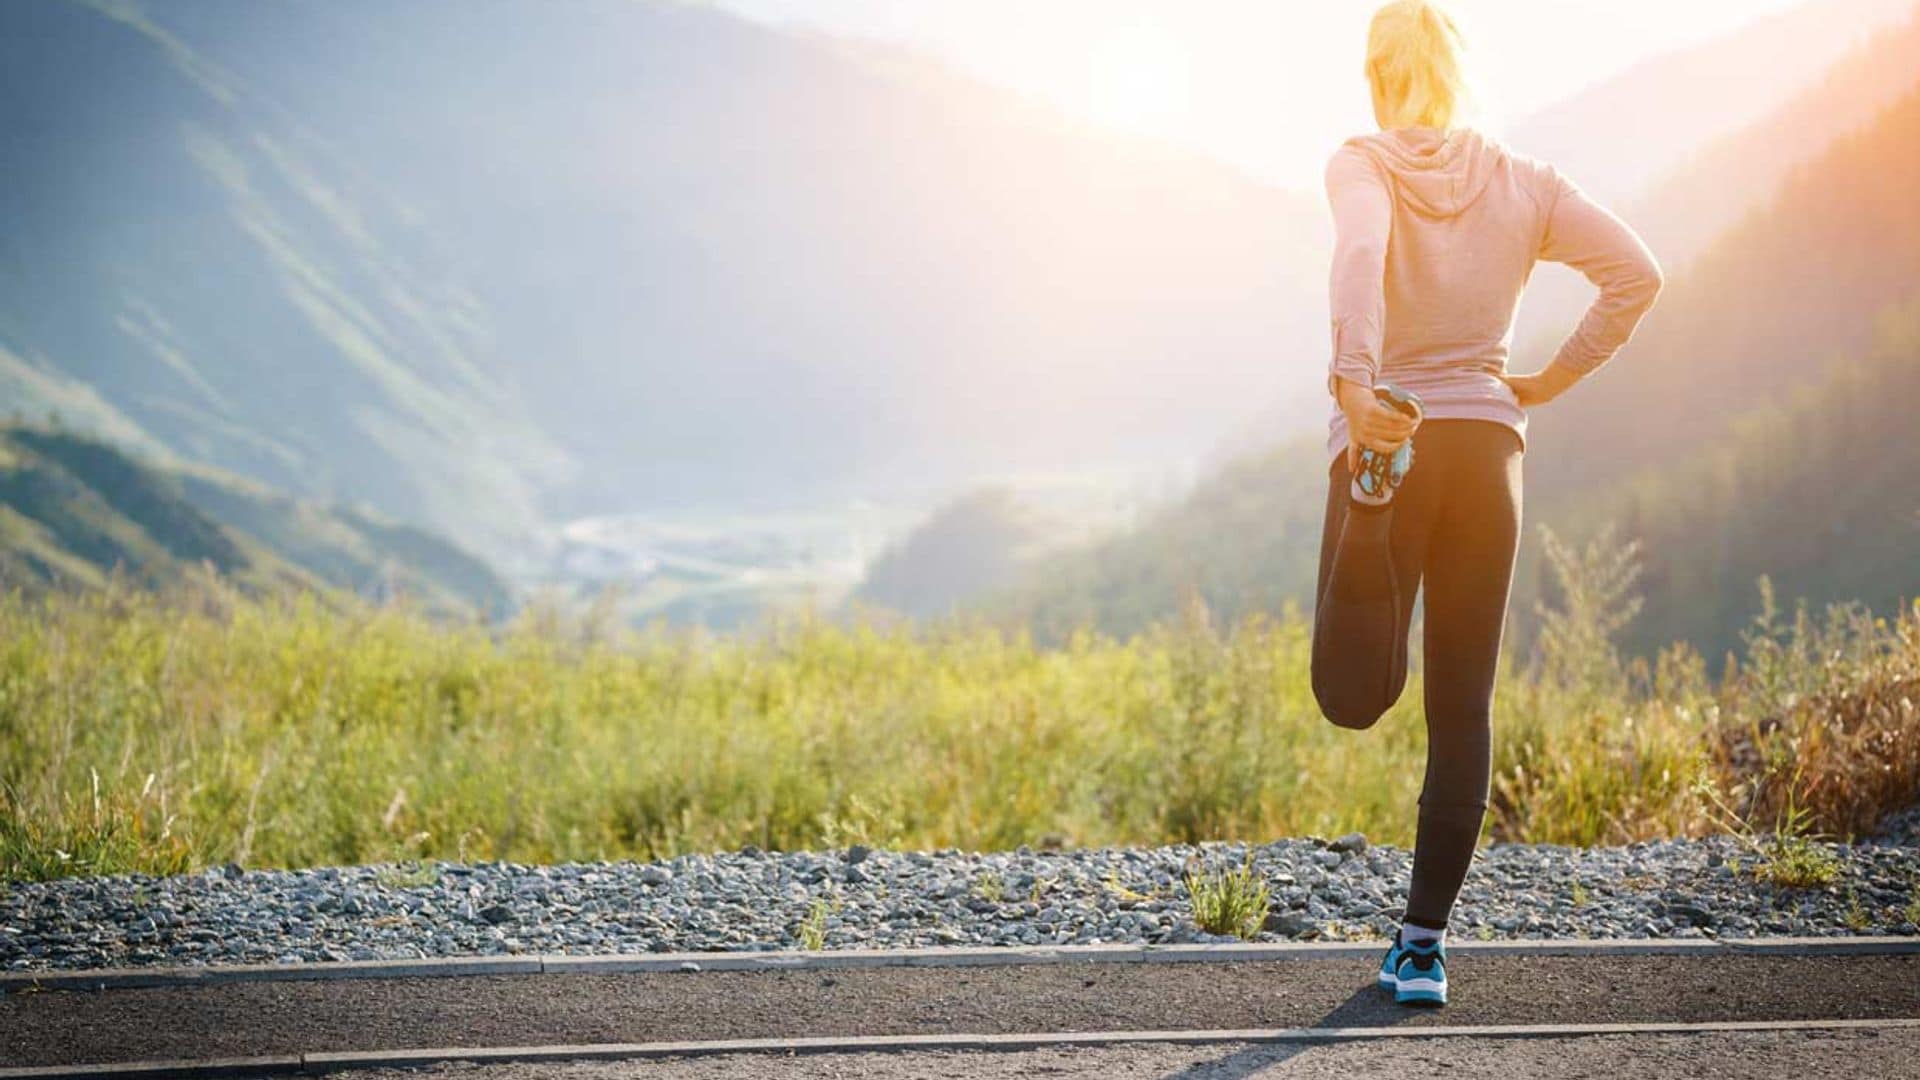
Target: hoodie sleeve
1585,236
1362,222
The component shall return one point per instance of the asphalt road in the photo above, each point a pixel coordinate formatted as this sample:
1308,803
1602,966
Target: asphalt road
256,1018
1768,1056
1759,1056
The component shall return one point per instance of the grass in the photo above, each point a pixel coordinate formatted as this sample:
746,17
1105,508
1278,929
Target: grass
1856,916
160,733
990,887
414,876
1789,855
813,929
1124,894
1229,902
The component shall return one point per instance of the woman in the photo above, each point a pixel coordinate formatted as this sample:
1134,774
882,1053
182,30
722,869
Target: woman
1437,230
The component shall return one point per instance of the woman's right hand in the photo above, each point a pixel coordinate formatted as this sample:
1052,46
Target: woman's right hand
1371,424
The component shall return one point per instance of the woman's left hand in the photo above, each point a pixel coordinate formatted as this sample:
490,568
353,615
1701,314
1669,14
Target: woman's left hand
1540,387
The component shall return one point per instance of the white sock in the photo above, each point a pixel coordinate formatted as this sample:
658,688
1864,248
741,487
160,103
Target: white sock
1410,933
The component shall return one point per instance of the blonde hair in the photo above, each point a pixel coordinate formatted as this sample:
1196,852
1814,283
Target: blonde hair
1414,66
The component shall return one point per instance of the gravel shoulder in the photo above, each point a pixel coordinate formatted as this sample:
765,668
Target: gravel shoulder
243,1019
1321,889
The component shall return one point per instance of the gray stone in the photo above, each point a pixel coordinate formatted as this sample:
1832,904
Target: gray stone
1290,923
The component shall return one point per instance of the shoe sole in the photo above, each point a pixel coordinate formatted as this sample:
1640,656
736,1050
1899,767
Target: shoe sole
1420,992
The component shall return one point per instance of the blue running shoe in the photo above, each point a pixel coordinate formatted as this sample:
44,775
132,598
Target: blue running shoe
1380,474
1421,976
1390,965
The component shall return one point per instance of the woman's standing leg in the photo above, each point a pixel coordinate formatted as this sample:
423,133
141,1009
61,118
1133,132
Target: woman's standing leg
1469,575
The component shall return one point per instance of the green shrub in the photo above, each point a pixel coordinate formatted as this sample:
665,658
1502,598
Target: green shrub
162,733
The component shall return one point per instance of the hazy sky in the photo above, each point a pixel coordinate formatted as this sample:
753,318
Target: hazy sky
1232,76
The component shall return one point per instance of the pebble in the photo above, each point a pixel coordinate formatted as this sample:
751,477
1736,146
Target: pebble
1346,889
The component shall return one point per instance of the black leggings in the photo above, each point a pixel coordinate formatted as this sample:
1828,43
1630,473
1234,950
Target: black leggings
1454,524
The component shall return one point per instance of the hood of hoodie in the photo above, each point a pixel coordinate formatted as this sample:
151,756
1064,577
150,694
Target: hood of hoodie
1439,174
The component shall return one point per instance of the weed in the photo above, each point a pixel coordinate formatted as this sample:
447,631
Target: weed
991,887
813,929
1231,902
1124,894
1798,863
1856,916
407,876
1580,897
1790,857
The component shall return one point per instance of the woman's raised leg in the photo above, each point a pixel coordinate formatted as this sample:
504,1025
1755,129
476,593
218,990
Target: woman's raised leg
1370,568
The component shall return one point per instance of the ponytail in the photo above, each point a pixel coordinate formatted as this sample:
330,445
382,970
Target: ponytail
1415,66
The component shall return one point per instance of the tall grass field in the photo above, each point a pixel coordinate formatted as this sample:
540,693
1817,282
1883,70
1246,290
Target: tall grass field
158,733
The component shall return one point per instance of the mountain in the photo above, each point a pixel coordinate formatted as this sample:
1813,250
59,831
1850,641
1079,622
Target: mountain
1744,337
1769,307
1246,539
74,510
1618,138
1820,492
977,543
1688,142
489,264
212,275
1729,176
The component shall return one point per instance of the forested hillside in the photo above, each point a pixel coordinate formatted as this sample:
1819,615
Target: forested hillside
1246,540
1726,178
1687,143
975,544
1757,345
1769,307
74,512
1618,138
1820,493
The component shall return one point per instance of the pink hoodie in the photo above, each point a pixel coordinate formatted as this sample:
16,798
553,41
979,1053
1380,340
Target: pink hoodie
1436,234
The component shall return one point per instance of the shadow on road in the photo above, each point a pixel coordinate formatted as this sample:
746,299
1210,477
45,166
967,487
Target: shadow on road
1367,1006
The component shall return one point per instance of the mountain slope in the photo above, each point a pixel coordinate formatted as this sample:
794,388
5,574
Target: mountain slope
1618,138
74,511
1728,177
1785,302
1821,493
486,265
1685,144
1770,306
174,244
974,544
1247,539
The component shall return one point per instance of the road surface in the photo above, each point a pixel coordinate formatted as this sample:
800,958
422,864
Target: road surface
306,1017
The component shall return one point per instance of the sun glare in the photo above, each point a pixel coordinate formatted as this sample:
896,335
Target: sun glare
1140,80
